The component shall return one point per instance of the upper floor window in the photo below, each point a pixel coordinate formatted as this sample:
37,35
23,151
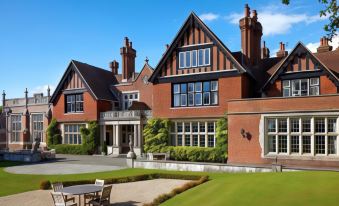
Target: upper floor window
74,103
301,87
16,128
195,94
129,98
194,58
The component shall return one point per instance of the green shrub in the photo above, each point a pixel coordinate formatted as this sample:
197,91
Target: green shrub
90,137
52,132
156,134
45,185
221,138
68,149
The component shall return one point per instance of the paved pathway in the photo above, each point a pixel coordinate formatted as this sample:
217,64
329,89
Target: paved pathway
127,194
71,164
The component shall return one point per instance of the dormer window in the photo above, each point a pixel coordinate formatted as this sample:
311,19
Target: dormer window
194,58
301,87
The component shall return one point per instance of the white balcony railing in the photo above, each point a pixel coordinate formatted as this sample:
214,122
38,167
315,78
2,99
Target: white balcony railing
125,115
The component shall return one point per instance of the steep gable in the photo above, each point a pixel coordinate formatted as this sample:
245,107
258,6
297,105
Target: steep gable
300,63
195,35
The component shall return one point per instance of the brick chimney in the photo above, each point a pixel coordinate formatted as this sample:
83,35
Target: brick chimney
128,55
282,52
265,52
251,32
324,46
114,65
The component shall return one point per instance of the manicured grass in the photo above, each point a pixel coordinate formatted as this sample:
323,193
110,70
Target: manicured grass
288,188
17,183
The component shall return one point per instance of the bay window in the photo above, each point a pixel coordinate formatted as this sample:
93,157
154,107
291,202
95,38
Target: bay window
195,94
300,87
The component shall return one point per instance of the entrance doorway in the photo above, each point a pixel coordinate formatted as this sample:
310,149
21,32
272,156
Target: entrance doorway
126,131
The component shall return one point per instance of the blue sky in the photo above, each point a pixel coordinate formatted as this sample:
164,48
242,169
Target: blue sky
39,38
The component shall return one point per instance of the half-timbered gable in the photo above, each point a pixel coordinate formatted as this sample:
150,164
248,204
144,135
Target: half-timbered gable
195,50
301,73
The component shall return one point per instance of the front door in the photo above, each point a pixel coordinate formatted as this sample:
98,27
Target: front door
126,132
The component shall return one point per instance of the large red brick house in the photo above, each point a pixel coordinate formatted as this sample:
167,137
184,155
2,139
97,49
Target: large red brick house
281,109
120,103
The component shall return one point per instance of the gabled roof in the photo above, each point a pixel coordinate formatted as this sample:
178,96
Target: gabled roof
328,61
191,19
96,80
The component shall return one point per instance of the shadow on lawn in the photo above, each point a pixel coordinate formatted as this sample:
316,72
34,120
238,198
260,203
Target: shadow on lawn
128,203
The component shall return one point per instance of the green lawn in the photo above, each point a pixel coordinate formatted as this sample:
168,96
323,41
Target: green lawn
288,188
285,189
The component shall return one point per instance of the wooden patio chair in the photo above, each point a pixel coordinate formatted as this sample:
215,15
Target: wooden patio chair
104,199
59,200
96,195
57,187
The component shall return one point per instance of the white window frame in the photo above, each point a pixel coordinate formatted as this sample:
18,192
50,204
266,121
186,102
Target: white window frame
129,100
297,93
16,128
68,133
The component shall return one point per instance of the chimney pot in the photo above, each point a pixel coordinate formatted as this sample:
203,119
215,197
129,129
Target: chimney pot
247,10
254,15
324,46
128,55
282,52
126,42
114,65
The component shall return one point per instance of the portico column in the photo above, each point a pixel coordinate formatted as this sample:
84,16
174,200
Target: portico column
135,135
139,135
117,133
103,136
113,135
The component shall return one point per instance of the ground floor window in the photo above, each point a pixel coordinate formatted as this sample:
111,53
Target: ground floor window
309,135
38,126
72,133
193,133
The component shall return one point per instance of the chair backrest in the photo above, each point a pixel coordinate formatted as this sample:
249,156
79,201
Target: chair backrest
99,182
58,199
106,193
57,186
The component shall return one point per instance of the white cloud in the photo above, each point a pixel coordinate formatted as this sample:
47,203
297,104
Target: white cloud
43,89
209,16
313,46
277,22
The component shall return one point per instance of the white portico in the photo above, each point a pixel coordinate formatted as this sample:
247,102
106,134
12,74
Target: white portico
117,126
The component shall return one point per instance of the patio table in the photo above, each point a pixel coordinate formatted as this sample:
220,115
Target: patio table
81,190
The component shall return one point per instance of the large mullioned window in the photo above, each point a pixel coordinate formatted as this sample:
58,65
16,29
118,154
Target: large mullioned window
16,128
197,134
38,126
194,58
72,133
302,135
195,94
301,87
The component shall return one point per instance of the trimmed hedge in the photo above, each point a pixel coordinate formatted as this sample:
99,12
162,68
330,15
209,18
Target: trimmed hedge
194,154
162,198
47,185
68,149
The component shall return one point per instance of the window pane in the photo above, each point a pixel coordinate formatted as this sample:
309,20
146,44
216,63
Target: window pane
214,85
195,140
201,57
271,125
183,100
181,60
282,143
206,86
214,98
183,88
210,126
314,81
194,58
272,144
319,144
331,125
306,125
210,141
314,90
190,87
179,140
198,98
179,127
176,88
202,127
187,127
304,87
191,99
296,88
207,56
320,125
282,125
198,86
194,126
332,145
187,140
202,141
294,125
188,59
286,92
286,83
306,147
206,98
295,144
